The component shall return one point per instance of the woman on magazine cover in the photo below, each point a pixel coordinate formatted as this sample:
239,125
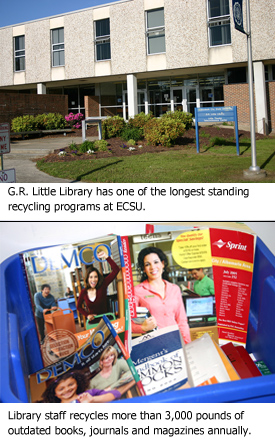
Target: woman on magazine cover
162,298
94,295
111,370
72,387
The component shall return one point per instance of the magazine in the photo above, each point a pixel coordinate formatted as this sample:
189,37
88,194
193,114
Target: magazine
211,266
81,376
164,363
71,286
178,276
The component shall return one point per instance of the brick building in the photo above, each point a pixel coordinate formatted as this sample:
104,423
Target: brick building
143,55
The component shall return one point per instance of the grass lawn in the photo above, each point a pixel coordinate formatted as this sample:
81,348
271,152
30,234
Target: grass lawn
214,164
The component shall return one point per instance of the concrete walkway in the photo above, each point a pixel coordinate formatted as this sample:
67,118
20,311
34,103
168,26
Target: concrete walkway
23,152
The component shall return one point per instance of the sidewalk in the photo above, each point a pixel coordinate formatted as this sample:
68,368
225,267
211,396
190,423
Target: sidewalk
23,152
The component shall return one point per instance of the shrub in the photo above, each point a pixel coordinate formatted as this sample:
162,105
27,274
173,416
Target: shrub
101,145
55,121
133,133
74,121
40,121
86,146
131,142
44,121
180,116
139,121
73,146
163,131
23,123
112,127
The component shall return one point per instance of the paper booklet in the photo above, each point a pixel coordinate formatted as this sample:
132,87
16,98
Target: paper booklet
164,363
211,266
81,376
61,316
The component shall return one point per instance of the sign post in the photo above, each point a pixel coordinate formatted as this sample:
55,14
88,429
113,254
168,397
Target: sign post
216,114
6,176
237,6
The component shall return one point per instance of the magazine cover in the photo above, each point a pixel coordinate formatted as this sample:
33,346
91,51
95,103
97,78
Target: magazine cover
199,279
100,371
71,286
162,288
158,357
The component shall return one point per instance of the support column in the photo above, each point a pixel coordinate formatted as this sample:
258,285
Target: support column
132,95
41,89
260,97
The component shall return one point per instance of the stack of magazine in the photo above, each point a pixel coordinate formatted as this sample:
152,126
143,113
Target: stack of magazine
125,316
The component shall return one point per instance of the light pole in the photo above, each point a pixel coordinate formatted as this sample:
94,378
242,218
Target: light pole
254,170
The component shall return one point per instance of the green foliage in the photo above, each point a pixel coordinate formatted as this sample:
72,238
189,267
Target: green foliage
85,146
44,121
163,131
180,116
40,122
101,145
216,141
23,124
139,121
55,121
131,142
133,133
112,127
73,146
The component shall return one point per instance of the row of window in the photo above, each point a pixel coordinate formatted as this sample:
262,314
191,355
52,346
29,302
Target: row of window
218,26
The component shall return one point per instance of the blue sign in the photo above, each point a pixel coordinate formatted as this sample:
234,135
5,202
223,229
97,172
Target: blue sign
237,7
216,114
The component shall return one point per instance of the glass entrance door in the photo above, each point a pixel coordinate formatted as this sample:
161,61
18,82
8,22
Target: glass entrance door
176,98
207,96
191,96
142,101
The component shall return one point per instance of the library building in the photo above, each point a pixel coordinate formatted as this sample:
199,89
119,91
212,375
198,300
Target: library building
130,56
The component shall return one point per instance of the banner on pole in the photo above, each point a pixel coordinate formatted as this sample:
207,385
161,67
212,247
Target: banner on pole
237,7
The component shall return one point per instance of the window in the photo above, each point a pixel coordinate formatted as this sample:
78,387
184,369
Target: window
58,52
236,75
19,53
102,40
219,22
155,31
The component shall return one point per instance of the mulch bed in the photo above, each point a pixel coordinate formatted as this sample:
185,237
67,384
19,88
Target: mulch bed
188,141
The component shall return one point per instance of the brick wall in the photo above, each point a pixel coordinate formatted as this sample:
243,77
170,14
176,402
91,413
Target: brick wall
18,104
91,104
238,94
270,93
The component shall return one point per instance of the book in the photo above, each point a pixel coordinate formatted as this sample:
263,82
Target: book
248,361
237,361
71,378
158,357
165,363
64,267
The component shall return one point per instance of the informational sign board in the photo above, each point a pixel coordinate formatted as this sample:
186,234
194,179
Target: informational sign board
4,138
7,176
216,114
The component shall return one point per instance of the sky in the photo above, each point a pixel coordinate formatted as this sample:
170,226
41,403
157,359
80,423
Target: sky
18,11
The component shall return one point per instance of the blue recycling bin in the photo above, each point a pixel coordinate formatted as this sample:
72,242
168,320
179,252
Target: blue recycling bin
20,351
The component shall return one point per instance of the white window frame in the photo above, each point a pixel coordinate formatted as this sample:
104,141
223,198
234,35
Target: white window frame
154,30
217,21
18,56
57,50
102,39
